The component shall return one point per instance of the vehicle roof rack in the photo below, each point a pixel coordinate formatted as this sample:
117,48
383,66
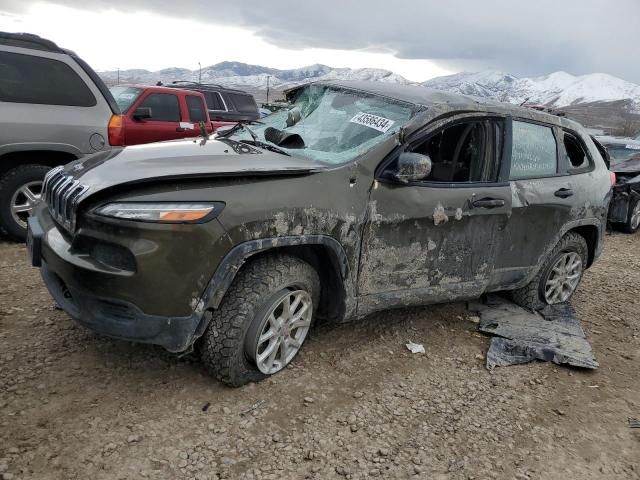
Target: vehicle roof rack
205,85
29,40
197,83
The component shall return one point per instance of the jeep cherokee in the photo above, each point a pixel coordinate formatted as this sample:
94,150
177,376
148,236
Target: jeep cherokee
360,197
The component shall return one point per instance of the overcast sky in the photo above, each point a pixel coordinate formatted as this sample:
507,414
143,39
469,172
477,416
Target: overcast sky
418,39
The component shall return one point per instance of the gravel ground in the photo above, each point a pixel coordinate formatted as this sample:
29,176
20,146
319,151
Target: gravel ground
354,404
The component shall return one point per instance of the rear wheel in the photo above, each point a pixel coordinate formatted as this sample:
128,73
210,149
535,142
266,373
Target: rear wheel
559,277
263,320
20,190
633,219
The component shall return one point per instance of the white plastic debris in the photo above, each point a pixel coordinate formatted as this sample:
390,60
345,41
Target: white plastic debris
415,347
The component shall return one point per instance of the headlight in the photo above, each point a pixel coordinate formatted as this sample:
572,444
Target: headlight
161,212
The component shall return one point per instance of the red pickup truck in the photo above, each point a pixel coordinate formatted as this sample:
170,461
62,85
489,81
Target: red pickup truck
152,114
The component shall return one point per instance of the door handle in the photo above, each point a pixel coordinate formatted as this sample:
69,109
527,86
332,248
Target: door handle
564,193
180,129
488,203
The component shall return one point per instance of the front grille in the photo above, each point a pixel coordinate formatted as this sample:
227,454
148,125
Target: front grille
61,193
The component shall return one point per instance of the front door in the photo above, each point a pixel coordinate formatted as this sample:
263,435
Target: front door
164,123
436,240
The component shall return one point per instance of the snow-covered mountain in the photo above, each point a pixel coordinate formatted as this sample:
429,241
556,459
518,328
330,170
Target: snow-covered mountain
558,89
480,84
242,75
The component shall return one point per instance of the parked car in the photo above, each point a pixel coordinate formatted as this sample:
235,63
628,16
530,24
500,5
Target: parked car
362,197
153,114
227,106
624,161
53,109
620,148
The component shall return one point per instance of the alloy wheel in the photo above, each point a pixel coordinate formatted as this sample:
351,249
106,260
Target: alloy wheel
282,331
563,278
24,200
634,222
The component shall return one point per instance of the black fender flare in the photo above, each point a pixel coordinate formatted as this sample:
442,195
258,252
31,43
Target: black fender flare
238,255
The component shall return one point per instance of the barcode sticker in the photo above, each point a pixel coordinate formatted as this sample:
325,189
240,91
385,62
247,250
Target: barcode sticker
372,121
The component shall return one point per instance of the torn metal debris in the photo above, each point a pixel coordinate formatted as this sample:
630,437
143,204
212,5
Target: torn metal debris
521,336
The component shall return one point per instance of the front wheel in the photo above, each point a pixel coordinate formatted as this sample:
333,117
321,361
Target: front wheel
20,190
263,320
633,219
559,277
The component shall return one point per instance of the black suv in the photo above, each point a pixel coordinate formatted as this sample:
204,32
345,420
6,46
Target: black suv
361,197
224,104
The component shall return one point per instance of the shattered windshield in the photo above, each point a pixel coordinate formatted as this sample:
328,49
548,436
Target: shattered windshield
623,152
330,125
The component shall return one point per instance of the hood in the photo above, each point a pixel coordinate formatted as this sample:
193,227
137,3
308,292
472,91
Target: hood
182,159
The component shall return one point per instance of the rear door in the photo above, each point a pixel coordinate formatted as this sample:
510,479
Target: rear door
196,113
48,101
437,239
543,196
164,123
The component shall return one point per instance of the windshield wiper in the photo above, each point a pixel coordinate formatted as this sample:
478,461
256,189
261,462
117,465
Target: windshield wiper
266,146
241,125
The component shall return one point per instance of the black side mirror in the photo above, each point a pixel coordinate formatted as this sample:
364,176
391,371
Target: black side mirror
142,113
412,167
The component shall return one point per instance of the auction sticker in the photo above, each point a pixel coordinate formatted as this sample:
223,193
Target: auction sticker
372,121
633,147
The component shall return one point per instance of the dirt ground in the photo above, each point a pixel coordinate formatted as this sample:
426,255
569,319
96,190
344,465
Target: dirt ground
354,404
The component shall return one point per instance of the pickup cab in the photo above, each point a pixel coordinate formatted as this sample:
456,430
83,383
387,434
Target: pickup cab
153,114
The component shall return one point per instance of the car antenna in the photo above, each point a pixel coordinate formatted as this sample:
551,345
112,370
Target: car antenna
525,101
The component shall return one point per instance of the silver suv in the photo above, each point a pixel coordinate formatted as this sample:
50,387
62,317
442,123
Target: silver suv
53,109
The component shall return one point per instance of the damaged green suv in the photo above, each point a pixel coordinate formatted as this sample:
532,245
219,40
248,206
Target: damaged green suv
360,197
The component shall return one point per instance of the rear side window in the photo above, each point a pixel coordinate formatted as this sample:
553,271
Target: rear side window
214,101
197,112
533,151
29,79
243,103
164,107
576,153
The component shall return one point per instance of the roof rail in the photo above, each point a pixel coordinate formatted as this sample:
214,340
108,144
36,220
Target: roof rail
214,85
29,40
199,84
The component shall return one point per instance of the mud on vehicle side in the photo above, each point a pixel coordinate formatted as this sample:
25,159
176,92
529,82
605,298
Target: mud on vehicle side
362,197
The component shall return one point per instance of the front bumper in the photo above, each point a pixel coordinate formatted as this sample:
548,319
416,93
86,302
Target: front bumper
157,298
124,320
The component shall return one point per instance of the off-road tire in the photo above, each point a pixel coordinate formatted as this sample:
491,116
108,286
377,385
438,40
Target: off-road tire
531,296
10,182
222,347
626,227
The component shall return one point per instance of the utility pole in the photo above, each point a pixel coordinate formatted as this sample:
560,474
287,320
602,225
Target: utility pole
199,73
268,77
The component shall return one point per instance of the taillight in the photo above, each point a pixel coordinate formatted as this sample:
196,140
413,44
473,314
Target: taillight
116,131
613,178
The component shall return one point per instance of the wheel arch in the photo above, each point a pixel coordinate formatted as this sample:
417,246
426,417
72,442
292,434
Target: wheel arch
39,156
322,252
591,235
